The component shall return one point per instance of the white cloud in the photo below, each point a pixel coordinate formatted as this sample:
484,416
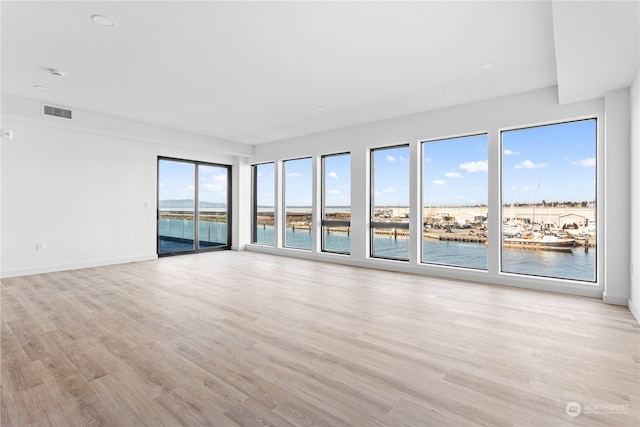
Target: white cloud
439,182
332,174
294,174
427,160
479,166
333,191
217,184
389,190
511,153
215,187
391,159
528,164
590,161
453,175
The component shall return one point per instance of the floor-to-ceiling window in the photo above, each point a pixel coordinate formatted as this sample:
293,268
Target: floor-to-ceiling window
336,203
298,203
549,201
263,204
544,181
454,200
193,206
389,210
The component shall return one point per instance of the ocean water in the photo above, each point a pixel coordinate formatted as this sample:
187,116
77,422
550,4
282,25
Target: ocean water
579,264
213,232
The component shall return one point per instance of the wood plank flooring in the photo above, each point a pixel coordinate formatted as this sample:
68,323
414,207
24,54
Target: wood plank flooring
241,338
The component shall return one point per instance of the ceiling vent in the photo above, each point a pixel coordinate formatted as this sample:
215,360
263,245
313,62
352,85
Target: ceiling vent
48,110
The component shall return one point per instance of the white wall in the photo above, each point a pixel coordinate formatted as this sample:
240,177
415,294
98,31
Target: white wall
634,298
490,116
85,188
81,188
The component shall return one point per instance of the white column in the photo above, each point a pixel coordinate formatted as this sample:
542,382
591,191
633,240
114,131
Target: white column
241,204
614,198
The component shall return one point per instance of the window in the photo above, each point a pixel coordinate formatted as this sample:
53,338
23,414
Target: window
213,218
389,211
336,203
263,204
298,197
549,201
454,199
193,206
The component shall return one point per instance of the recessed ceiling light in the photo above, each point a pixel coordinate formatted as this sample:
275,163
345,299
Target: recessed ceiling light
487,66
42,88
104,21
321,109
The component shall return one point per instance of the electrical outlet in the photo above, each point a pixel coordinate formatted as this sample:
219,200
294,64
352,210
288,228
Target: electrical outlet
39,246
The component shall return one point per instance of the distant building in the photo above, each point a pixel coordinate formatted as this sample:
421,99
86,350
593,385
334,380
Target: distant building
571,218
468,217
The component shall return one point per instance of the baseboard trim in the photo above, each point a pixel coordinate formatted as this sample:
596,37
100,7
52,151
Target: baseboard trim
634,309
614,299
75,266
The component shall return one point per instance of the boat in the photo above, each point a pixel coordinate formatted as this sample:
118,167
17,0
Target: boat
545,242
511,230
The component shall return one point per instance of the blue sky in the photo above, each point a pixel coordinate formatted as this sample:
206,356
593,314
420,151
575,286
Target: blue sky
265,184
298,182
337,180
391,176
298,179
177,182
550,163
455,171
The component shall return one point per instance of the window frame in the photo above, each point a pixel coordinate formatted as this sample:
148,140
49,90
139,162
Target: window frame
331,222
423,143
254,203
196,216
597,213
284,202
373,225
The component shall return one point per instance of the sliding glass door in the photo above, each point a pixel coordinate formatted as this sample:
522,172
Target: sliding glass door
193,206
213,212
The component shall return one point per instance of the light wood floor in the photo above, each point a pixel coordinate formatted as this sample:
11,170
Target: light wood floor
240,338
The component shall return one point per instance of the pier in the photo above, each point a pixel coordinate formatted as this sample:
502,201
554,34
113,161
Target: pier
456,237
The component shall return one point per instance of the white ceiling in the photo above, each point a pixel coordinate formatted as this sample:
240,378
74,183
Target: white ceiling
256,72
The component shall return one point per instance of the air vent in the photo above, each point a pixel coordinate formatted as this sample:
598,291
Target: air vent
48,110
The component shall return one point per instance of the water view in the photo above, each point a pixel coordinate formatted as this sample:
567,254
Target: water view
547,184
577,264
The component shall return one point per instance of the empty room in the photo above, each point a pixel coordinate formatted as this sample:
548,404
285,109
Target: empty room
320,213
